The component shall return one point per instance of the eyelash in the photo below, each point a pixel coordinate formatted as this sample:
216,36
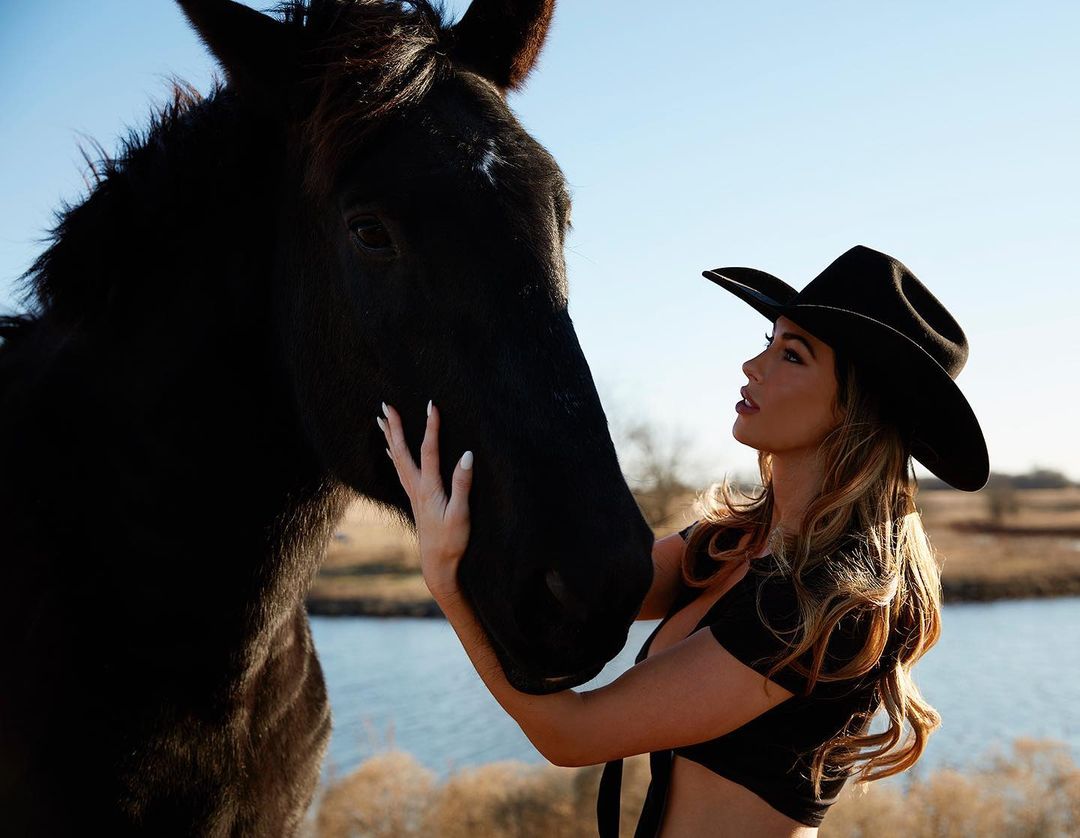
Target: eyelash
791,352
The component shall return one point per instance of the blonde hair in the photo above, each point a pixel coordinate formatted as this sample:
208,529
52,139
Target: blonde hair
861,550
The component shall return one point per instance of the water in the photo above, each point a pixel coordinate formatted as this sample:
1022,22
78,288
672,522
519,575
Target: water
1000,670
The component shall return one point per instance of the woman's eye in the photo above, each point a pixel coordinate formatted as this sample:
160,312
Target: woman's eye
371,235
788,353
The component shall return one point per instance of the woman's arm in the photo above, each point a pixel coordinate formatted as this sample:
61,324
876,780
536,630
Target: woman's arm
540,717
690,692
667,556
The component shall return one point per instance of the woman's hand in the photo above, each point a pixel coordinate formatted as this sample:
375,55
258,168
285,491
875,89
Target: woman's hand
442,526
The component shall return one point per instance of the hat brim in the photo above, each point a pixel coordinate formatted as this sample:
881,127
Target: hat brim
945,433
763,291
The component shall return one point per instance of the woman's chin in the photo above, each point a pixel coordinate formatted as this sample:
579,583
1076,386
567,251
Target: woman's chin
749,440
740,435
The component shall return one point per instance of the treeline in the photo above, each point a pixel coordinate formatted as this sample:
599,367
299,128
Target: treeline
1039,478
656,464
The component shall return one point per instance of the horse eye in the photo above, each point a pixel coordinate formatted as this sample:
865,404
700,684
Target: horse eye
371,235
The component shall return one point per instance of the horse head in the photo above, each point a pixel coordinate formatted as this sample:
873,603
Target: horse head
418,242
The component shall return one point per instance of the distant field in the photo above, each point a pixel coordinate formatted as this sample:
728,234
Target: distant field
1035,553
372,565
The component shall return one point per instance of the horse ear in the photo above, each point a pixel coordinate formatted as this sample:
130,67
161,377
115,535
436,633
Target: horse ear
256,51
501,39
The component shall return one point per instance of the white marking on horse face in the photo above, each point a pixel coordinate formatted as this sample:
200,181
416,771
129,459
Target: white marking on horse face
488,160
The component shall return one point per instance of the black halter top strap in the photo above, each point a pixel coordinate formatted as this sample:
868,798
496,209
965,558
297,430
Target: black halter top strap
608,802
609,798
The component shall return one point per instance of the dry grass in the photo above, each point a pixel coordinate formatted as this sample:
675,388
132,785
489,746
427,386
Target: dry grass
1003,554
387,796
1033,792
372,564
393,796
989,566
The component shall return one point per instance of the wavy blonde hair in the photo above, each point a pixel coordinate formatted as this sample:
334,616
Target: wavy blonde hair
861,551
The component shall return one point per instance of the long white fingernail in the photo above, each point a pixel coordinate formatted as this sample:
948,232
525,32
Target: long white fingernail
466,460
385,411
429,407
382,424
388,454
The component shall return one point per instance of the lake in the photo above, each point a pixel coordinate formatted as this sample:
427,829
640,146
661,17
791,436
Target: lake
1001,670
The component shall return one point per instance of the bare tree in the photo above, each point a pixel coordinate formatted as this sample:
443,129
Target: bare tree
654,463
1001,499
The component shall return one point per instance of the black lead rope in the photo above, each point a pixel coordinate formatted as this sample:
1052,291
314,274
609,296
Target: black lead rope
608,800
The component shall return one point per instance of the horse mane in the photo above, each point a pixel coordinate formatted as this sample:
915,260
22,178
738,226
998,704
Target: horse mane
54,283
363,60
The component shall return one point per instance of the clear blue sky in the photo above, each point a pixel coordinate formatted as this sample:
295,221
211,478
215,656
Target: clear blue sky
700,134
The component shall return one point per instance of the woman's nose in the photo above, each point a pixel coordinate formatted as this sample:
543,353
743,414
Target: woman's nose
749,369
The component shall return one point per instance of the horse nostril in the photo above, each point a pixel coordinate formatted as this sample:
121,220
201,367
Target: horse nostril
555,583
563,595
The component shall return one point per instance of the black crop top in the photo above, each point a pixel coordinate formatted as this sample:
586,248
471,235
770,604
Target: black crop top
771,754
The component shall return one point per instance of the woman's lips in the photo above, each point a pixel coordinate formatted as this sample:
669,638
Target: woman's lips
746,405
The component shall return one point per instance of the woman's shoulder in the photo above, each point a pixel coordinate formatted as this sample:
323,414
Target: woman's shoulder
763,616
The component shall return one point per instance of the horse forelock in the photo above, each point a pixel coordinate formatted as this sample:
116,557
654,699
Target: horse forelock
362,61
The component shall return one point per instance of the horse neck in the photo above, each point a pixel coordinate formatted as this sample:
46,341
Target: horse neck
157,453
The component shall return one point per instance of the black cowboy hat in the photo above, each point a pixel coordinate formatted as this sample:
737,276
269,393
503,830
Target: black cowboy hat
870,307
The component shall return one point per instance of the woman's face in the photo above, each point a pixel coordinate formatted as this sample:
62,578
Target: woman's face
792,382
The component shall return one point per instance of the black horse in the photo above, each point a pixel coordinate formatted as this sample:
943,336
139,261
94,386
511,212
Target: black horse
188,403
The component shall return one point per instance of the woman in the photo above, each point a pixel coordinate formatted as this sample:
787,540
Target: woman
792,617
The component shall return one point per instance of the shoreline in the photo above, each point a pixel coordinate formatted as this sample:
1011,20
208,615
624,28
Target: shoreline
325,606
977,590
954,591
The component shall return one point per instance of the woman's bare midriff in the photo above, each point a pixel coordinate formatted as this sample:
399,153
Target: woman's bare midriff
701,802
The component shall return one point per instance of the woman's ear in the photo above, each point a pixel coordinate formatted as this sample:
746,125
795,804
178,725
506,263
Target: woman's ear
838,413
501,39
842,376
